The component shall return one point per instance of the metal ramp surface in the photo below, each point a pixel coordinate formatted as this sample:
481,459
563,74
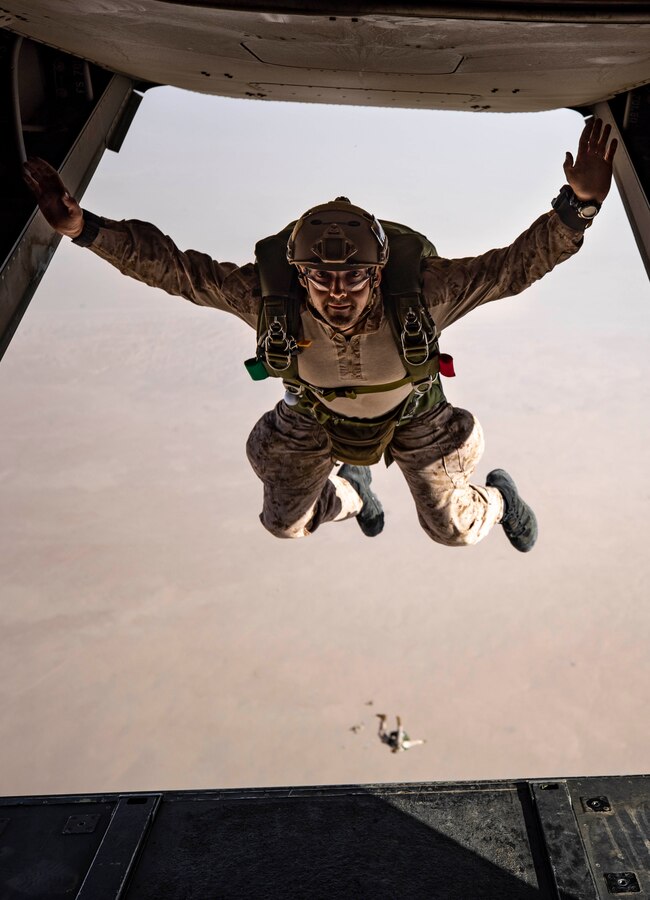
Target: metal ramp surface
574,838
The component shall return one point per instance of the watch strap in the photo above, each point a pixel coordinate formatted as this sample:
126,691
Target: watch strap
92,224
567,206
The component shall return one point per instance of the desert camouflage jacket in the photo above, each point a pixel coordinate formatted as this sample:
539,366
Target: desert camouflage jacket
367,355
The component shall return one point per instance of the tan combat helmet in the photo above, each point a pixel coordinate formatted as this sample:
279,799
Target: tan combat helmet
337,236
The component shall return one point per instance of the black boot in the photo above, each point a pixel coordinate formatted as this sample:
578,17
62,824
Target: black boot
519,522
371,515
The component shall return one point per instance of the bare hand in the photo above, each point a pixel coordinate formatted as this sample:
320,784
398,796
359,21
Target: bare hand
591,175
61,210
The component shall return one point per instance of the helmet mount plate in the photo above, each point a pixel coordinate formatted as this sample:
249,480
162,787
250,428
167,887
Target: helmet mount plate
334,246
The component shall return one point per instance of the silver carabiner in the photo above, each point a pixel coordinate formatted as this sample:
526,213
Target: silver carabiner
411,319
423,387
406,350
276,343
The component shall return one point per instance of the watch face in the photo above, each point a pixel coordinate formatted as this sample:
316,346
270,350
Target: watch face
587,210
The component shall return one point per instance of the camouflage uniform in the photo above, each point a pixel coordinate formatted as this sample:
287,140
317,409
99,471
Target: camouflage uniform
290,452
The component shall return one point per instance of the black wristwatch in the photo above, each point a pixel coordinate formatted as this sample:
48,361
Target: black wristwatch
575,213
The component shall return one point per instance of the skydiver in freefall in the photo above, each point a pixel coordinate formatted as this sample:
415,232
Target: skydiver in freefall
348,312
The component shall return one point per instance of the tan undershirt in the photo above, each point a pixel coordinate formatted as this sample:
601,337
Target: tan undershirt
334,360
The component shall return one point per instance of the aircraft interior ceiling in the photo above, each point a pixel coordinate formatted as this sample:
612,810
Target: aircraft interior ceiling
452,59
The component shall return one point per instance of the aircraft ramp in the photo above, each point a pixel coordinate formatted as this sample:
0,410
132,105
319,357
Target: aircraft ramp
573,838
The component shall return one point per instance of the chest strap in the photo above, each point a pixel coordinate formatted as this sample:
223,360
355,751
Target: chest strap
296,387
309,400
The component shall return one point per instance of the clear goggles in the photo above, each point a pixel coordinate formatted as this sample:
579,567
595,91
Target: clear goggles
345,280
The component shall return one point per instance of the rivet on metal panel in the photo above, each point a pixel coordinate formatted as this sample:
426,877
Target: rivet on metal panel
597,804
81,824
622,883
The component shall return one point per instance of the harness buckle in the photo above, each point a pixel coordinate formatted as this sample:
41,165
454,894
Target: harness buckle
415,341
420,390
278,348
423,387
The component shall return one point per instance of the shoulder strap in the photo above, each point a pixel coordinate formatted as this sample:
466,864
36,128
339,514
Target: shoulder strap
278,324
276,275
413,329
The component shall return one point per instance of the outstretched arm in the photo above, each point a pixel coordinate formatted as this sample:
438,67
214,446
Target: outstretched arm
454,287
141,251
61,210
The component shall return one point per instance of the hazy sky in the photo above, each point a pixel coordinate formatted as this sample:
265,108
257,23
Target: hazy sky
154,636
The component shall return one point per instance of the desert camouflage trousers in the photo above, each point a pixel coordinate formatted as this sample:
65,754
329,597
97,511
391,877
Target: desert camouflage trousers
437,453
